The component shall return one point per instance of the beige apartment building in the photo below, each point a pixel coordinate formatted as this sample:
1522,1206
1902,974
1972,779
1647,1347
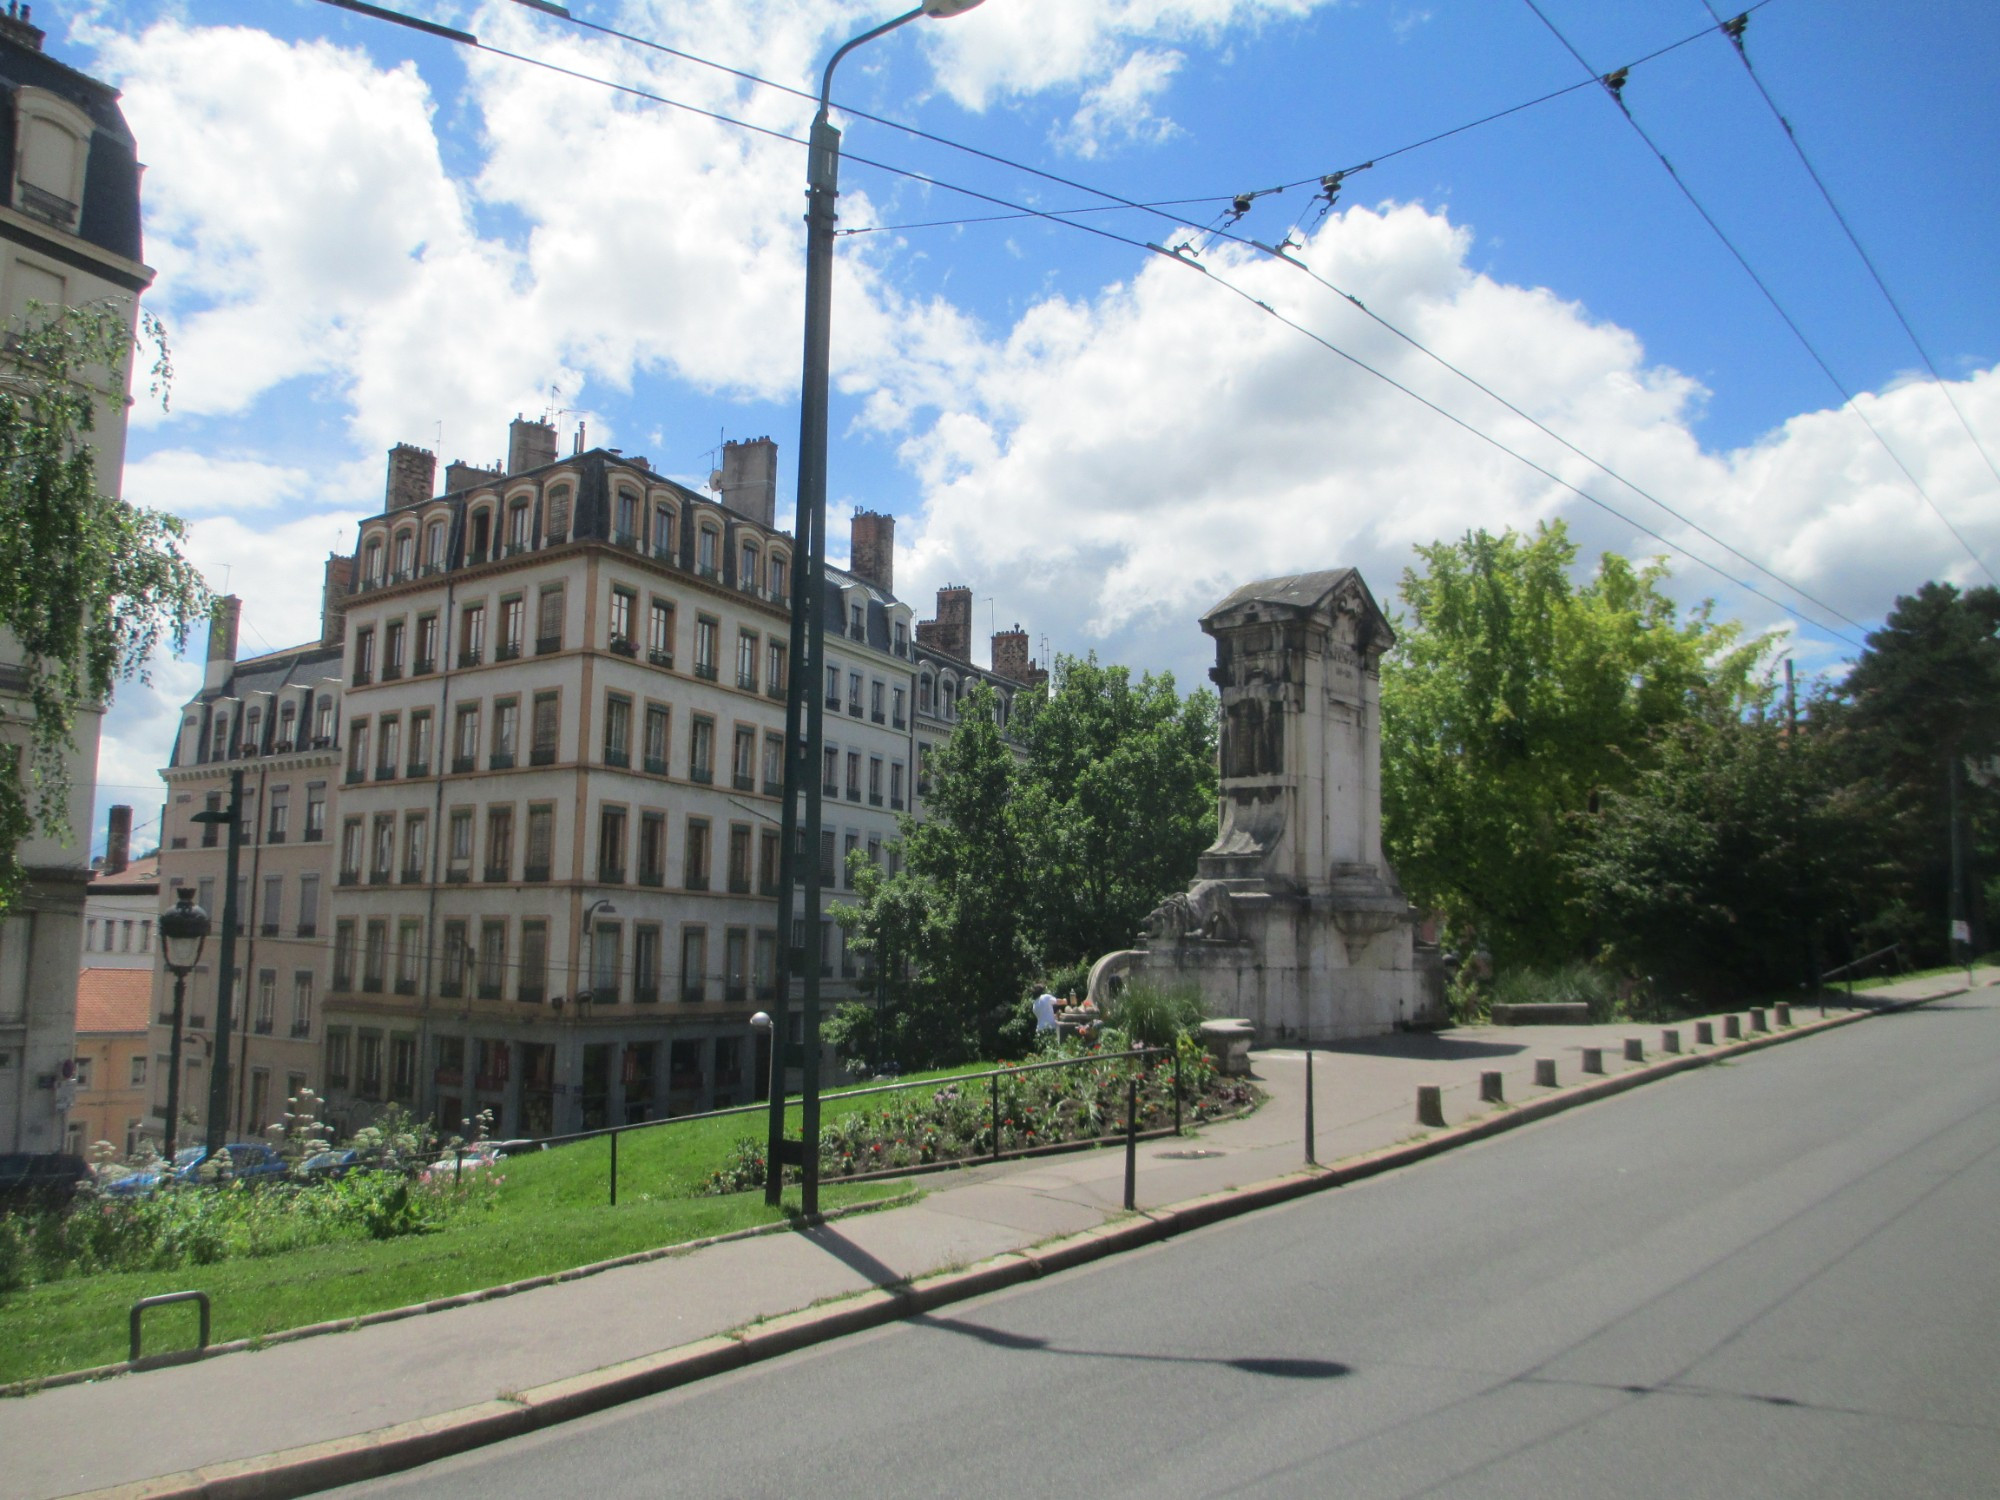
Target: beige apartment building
275,719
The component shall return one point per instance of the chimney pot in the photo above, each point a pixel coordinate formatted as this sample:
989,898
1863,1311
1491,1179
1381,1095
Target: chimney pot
412,472
118,841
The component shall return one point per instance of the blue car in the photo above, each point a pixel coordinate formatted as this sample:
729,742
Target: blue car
327,1164
249,1161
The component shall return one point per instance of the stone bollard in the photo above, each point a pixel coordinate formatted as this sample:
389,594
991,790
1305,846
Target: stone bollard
1545,1072
1430,1104
1704,1033
1758,1020
1490,1091
1784,1013
1670,1041
1593,1059
1732,1027
1635,1050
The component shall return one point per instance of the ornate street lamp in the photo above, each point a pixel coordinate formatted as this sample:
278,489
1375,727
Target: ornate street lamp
183,932
799,850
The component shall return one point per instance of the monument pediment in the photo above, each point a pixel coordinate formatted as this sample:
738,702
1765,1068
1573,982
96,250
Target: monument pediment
1327,594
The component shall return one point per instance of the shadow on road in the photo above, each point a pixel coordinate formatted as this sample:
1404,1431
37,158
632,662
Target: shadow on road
1424,1047
851,1255
1288,1369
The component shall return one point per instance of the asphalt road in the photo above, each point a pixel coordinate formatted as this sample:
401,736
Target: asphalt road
1770,1278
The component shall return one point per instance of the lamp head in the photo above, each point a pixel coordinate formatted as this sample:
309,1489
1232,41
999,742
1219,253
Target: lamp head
183,930
942,10
761,1021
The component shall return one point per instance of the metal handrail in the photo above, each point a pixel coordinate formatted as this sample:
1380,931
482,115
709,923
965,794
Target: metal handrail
1856,963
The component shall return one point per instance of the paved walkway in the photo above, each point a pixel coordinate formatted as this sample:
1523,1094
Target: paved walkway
83,1437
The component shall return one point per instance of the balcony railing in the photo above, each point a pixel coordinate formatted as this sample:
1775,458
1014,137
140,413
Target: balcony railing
661,659
693,994
497,874
350,877
774,690
363,676
412,875
544,644
705,670
874,799
656,878
385,773
423,666
301,1029
656,765
645,994
458,875
314,835
536,874
501,760
418,768
354,778
611,874
743,783
701,775
275,836
622,759
464,764
624,646
470,658
542,755
507,651
393,672
747,681
308,929
268,929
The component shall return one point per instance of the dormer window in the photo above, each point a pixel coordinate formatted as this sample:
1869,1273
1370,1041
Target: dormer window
557,528
705,551
371,561
406,554
780,576
53,149
663,531
625,531
857,622
434,539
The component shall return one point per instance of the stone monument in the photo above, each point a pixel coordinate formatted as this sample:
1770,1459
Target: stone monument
1296,922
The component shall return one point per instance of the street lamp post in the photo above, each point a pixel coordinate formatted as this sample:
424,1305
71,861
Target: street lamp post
798,857
183,931
225,979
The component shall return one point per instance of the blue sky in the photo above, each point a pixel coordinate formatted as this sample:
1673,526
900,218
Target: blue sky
365,235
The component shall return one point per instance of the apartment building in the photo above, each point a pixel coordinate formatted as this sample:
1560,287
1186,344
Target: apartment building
122,902
558,818
276,719
69,236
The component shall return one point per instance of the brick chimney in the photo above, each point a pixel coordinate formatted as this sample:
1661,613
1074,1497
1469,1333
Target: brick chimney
950,633
118,841
334,589
412,471
14,27
222,623
1010,656
749,482
872,549
463,476
530,445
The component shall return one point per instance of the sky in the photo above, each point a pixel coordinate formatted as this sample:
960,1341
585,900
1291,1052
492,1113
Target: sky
366,235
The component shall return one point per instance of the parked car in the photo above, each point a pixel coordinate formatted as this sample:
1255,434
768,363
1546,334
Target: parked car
322,1166
39,1179
471,1158
249,1161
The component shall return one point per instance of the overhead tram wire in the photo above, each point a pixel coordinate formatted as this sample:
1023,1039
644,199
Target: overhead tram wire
1733,30
1614,86
1213,232
466,39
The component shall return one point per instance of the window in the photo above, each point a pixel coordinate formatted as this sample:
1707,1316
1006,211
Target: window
902,639
459,851
696,868
357,751
549,619
739,858
499,842
924,694
270,913
625,530
302,1002
829,781
875,691
336,1059
492,957
513,623
138,1072
746,660
896,706
896,786
534,974
350,851
706,541
479,534
606,962
652,848
694,964
389,730
456,946
705,633
857,621
519,518
656,738
506,732
287,718
405,560
253,736
617,730
764,970
392,651
382,844
371,561
743,759
219,746
416,846
420,742
265,1019
611,845
471,634
746,567
779,576
541,841
660,633
827,868
427,644
774,669
315,812
646,963
854,776
375,956
343,957
833,685
402,1068
547,727
623,603
774,763
557,527
280,814
847,859
308,905
874,781
465,738
736,965
663,531
701,750
409,955
434,544
767,862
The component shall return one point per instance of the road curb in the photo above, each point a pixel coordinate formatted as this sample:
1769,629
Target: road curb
389,1450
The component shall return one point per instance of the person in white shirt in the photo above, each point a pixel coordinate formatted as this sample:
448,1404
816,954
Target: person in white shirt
1045,1012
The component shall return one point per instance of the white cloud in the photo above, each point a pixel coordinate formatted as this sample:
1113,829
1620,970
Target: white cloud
1120,109
189,483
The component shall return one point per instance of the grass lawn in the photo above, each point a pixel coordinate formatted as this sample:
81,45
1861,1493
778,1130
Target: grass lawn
551,1213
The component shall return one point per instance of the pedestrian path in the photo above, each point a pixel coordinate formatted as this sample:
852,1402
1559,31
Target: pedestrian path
236,1406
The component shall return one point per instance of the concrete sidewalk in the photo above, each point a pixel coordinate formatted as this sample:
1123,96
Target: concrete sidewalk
238,1406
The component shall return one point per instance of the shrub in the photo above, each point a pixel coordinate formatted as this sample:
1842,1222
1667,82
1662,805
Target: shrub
1157,1015
1569,983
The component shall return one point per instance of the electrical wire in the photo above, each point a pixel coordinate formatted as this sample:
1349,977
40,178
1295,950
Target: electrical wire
1733,30
1614,85
1185,260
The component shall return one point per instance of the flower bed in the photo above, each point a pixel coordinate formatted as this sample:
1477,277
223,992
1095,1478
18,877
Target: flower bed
1045,1107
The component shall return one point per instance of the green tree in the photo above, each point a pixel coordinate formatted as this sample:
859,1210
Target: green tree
89,585
1709,870
1513,698
1116,803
